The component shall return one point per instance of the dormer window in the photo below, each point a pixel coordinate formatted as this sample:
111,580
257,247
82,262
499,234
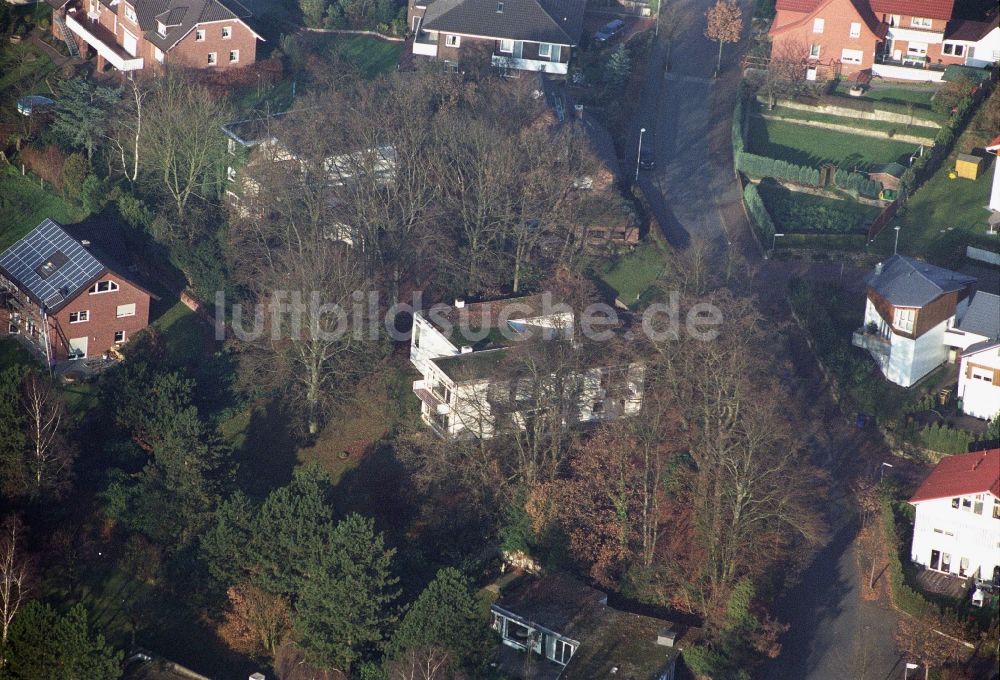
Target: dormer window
499,8
130,14
921,22
161,28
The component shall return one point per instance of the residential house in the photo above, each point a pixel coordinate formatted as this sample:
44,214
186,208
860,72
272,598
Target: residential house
976,42
918,315
994,148
493,365
65,301
576,635
979,380
898,39
526,35
131,35
956,527
835,38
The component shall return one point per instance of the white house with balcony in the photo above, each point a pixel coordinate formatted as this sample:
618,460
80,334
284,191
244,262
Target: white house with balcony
520,35
500,364
957,522
918,316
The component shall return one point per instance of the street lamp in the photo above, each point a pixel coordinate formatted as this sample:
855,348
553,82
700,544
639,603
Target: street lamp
881,471
909,667
639,153
895,246
774,237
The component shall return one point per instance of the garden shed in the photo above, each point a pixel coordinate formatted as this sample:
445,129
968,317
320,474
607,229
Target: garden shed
968,166
887,174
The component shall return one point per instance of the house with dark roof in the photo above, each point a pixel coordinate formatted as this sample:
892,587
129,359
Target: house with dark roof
526,35
918,315
64,300
131,35
979,380
493,365
568,631
898,39
956,526
977,42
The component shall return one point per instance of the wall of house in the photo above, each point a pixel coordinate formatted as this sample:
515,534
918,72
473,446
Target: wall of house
103,321
986,51
795,31
913,359
936,311
191,53
980,399
426,343
959,532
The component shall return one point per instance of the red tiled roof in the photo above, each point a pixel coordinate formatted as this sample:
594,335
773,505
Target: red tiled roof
994,145
961,475
804,6
929,9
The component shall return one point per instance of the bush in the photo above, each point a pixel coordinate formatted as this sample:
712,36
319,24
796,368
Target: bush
132,209
46,162
74,172
856,183
758,213
762,166
93,198
906,598
944,439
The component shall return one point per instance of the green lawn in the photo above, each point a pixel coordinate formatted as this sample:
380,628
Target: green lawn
631,274
185,333
812,146
26,66
24,204
941,216
874,125
371,56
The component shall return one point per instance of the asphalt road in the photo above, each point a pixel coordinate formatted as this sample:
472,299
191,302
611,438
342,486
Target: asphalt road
693,193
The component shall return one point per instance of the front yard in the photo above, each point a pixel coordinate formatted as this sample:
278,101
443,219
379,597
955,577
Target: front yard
370,56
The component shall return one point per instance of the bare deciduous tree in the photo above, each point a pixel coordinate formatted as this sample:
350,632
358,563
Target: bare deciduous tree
49,457
15,575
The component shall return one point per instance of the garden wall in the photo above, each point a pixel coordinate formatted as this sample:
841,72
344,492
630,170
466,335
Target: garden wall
851,112
982,255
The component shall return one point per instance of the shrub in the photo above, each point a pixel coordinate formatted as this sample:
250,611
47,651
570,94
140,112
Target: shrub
758,213
46,162
74,172
944,439
132,209
906,598
93,198
856,183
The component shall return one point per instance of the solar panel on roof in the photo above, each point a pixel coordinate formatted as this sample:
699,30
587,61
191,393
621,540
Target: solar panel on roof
50,264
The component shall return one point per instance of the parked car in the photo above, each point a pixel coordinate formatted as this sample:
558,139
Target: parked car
647,156
610,31
33,103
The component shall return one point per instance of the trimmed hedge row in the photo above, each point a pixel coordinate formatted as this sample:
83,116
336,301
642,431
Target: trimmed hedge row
758,212
762,166
906,598
945,439
856,183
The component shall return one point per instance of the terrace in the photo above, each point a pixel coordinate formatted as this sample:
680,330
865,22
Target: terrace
912,68
101,39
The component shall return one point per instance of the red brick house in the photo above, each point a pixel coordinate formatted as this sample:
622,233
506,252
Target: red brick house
899,39
132,35
56,293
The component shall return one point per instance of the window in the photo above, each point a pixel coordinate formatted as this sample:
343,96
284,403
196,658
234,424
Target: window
544,50
212,60
130,13
199,35
984,374
234,56
818,25
119,336
953,49
161,28
996,508
954,502
851,56
79,317
227,32
855,29
967,504
814,51
978,506
104,287
562,652
125,310
921,22
903,320
158,55
507,46
499,8
453,40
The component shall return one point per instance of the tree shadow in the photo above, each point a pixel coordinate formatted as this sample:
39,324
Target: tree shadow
268,454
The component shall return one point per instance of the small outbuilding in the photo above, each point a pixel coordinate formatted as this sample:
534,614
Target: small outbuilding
968,166
888,175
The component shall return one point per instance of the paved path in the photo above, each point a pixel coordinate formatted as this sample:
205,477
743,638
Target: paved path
693,194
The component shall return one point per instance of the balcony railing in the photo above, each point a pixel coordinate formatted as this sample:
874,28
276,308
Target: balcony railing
875,343
914,63
508,62
426,43
104,43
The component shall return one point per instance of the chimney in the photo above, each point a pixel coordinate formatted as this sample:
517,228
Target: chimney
666,637
466,349
878,269
578,109
459,303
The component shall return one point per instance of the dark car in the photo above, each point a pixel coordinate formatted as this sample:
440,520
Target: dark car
647,156
609,32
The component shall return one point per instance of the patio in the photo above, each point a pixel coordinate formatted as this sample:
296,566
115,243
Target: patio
938,583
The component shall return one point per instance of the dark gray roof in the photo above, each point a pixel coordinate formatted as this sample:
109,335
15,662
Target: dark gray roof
906,282
50,265
981,346
550,21
181,16
983,315
894,169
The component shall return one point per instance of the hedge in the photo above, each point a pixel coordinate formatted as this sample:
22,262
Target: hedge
945,439
906,598
758,213
824,241
856,183
762,166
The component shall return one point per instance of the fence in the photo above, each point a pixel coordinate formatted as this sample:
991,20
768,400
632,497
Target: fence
883,219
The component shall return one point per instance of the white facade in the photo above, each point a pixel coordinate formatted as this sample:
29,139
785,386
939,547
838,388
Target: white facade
978,383
985,51
901,359
959,535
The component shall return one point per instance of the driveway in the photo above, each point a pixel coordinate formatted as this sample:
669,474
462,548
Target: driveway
694,195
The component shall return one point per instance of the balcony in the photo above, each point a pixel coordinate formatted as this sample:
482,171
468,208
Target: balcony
426,43
878,345
560,68
104,43
910,68
433,401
